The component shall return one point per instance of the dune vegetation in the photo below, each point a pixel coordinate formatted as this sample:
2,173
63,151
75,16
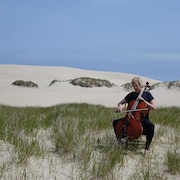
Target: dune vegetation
81,137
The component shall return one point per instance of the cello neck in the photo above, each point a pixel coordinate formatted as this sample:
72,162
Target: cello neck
137,99
135,103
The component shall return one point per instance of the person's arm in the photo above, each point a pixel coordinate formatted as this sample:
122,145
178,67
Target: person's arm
120,105
150,104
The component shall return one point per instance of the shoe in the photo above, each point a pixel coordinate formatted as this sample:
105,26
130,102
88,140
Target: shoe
146,151
124,140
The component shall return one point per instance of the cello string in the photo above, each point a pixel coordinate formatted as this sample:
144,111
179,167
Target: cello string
134,106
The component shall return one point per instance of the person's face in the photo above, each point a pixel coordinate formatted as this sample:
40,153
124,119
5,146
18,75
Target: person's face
136,87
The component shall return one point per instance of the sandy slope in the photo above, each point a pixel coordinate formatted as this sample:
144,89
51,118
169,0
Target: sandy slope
64,92
51,167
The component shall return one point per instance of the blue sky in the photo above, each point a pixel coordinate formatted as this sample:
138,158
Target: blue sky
141,37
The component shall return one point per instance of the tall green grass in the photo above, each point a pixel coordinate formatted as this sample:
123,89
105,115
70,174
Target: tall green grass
167,116
80,133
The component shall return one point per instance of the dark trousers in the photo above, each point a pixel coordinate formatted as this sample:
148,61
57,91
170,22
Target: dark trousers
148,130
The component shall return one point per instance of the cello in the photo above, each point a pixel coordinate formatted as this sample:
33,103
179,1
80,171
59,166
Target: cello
129,127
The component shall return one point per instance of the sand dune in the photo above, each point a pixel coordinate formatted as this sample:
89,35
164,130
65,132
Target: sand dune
64,92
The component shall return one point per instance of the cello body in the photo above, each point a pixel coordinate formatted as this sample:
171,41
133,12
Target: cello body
130,125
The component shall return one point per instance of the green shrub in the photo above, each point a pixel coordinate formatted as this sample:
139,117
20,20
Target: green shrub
25,83
91,82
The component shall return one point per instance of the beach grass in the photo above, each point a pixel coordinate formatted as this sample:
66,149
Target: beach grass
82,135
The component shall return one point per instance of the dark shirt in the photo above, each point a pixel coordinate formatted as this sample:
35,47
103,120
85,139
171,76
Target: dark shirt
133,95
146,95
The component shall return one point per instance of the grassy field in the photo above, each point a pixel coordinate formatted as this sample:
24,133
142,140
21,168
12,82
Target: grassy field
82,135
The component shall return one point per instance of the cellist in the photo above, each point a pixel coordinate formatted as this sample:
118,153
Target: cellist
148,99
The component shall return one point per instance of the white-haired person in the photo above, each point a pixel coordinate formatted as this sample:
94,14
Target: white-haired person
148,99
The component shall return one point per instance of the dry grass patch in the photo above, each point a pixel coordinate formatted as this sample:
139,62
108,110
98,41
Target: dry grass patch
76,141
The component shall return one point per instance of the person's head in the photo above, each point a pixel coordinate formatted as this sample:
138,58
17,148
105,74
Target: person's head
137,84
